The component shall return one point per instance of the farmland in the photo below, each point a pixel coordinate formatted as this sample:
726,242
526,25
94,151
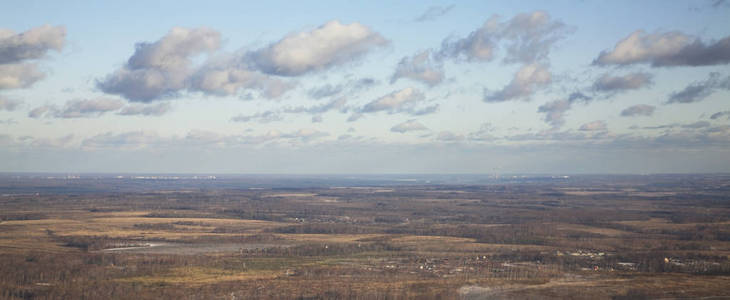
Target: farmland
598,237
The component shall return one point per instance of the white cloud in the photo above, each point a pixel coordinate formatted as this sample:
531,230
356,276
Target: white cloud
406,100
329,45
666,49
15,76
227,75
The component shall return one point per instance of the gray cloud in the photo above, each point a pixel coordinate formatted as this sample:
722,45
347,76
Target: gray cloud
348,88
525,82
612,84
160,69
135,140
555,111
666,49
329,45
84,108
433,13
9,104
479,45
8,122
146,110
264,117
32,44
407,100
698,91
528,38
338,103
325,91
698,124
720,114
420,67
448,136
594,126
638,110
483,134
410,125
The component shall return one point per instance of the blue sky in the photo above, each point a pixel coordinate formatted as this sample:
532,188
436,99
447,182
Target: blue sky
365,87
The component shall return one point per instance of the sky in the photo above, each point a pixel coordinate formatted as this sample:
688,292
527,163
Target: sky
310,87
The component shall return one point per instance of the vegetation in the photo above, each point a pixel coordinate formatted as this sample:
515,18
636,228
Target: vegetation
620,237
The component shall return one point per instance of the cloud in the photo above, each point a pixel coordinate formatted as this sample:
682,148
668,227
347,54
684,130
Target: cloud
329,45
479,45
145,110
594,126
420,67
483,134
720,114
666,49
338,103
16,49
136,140
160,69
553,135
410,125
15,76
32,44
9,104
324,91
84,108
39,112
638,110
525,82
52,142
698,91
406,100
448,136
8,122
527,39
264,117
530,36
555,111
227,75
347,88
612,84
698,124
433,13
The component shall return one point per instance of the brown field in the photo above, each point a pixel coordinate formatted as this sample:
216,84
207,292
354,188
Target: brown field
501,241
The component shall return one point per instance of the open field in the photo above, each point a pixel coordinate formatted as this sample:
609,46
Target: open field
591,237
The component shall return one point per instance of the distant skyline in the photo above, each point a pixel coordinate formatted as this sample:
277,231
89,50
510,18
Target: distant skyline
365,87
